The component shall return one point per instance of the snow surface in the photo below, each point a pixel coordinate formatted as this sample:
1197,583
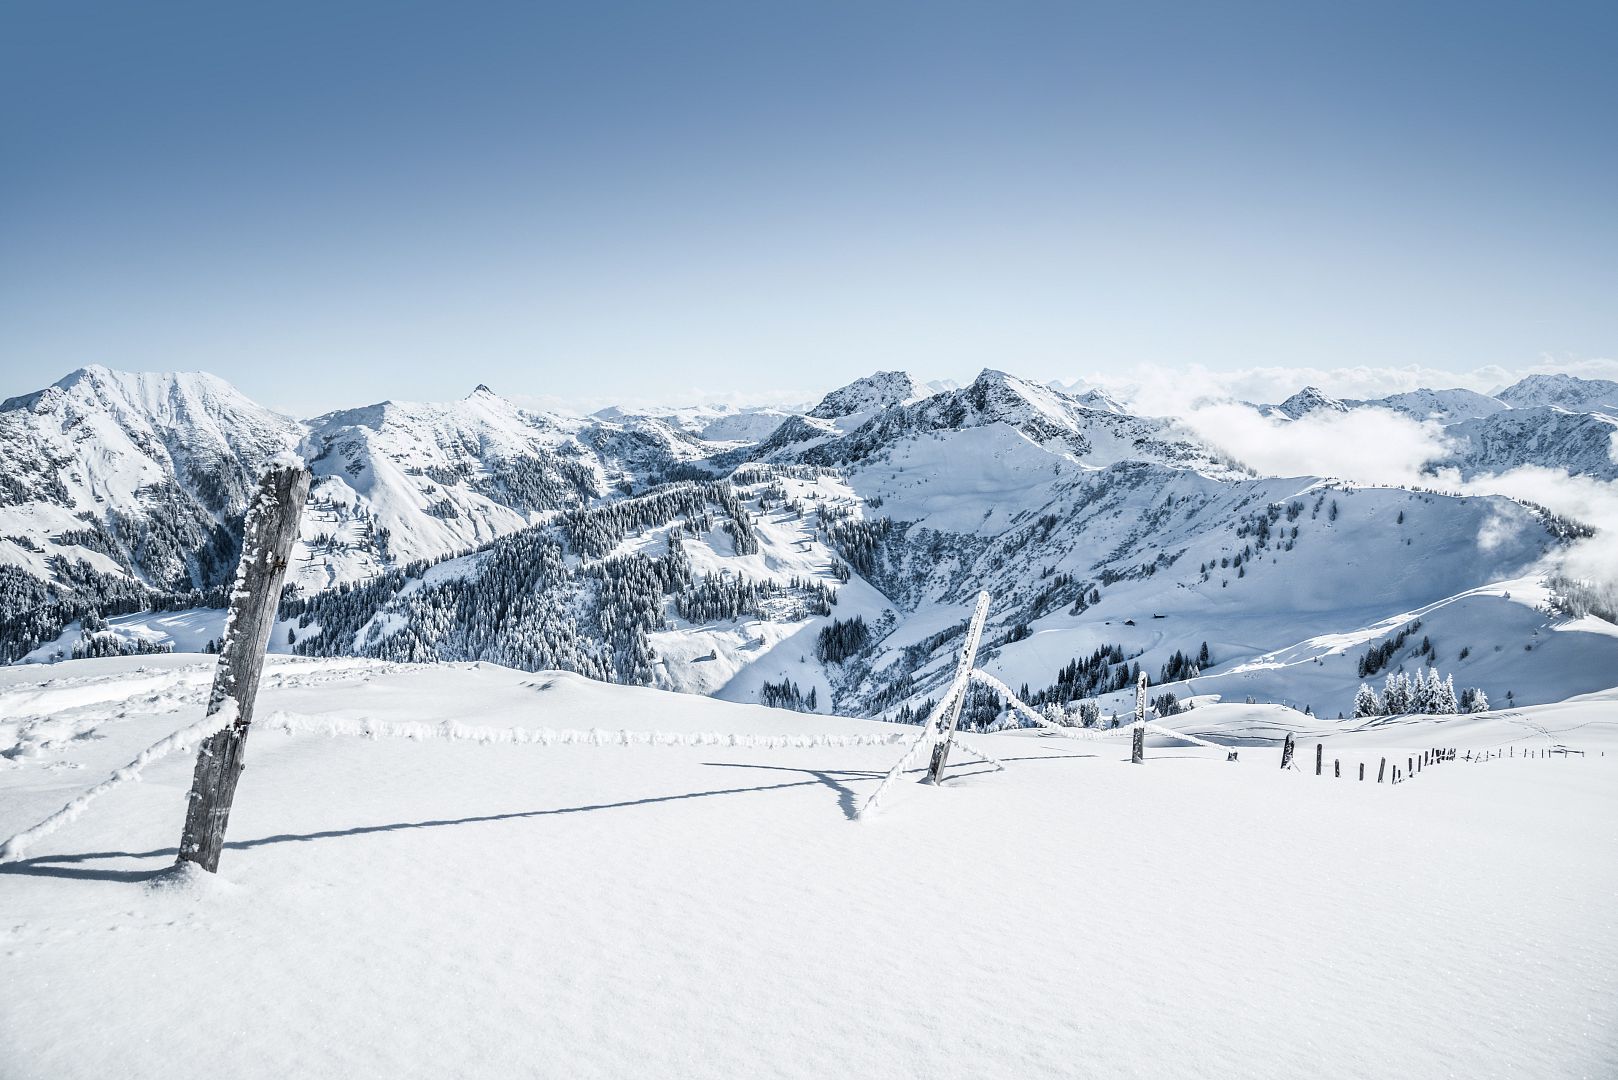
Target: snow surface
394,907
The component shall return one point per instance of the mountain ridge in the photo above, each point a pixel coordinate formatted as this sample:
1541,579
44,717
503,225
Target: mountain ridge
892,508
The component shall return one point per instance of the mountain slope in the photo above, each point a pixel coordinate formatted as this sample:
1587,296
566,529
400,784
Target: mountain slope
118,490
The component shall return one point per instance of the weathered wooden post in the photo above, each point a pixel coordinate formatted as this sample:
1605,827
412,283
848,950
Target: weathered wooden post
963,669
1362,772
1337,768
270,528
1137,747
1286,752
1320,753
1381,769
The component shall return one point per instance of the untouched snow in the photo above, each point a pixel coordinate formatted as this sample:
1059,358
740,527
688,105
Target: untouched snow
390,907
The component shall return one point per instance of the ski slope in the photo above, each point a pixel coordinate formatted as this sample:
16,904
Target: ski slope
395,907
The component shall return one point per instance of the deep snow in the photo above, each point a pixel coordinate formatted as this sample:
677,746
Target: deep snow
389,907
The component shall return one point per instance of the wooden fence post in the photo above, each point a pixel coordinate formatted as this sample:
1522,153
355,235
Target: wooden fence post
1362,771
1320,753
1137,746
963,671
269,531
1380,769
1337,767
1286,752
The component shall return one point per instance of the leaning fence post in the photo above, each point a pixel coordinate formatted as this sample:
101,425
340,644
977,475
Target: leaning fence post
269,530
963,669
1286,752
1380,769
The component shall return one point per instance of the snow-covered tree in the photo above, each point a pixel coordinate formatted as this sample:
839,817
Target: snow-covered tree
1422,692
1366,702
1396,694
1443,695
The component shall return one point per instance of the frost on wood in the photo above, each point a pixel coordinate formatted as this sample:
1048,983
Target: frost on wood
269,532
963,668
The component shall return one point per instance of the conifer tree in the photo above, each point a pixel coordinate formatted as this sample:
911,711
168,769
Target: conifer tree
1396,694
1366,703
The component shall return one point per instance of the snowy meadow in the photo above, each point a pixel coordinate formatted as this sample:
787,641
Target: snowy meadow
427,906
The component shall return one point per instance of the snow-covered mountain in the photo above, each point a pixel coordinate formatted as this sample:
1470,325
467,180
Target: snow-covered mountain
402,482
1309,399
871,394
1441,406
1549,421
709,423
1563,392
997,414
825,564
118,488
1582,443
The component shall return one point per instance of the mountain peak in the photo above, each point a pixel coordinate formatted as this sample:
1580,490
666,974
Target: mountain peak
882,390
482,389
1310,399
1099,399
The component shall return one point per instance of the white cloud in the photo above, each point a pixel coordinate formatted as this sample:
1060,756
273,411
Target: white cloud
1585,499
1366,446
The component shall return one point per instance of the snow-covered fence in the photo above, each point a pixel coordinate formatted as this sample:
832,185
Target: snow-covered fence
271,525
1414,764
938,728
452,730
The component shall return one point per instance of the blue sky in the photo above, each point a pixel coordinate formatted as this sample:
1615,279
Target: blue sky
329,204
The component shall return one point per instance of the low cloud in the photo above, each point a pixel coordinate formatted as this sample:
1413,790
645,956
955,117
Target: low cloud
1365,446
1585,499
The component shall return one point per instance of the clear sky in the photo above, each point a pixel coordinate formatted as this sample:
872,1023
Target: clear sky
336,202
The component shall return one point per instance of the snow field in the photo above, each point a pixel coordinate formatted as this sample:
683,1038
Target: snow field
395,908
